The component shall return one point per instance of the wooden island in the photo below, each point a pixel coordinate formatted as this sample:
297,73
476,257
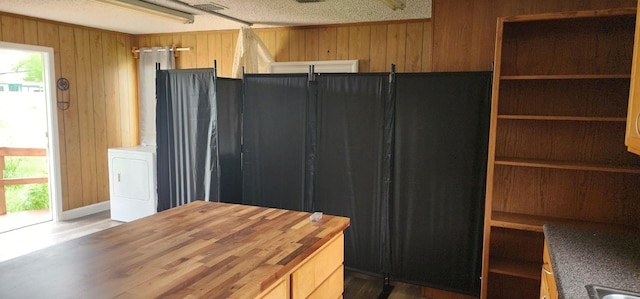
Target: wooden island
199,250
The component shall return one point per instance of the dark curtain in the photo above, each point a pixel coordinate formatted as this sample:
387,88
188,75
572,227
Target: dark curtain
188,132
229,104
186,135
437,208
405,161
274,122
349,161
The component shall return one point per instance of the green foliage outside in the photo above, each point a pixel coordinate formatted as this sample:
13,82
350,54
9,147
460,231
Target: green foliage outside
26,197
32,66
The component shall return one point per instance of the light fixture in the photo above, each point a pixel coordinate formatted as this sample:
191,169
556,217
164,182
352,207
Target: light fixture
395,4
153,9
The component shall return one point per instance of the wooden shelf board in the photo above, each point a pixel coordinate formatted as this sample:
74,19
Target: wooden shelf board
565,165
572,14
535,223
515,268
566,77
563,118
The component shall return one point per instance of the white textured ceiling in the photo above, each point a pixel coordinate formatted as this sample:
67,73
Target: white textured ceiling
262,13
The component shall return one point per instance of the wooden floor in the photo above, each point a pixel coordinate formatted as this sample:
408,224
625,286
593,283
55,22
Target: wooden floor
31,238
39,236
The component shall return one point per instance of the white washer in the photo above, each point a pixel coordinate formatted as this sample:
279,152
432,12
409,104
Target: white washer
132,182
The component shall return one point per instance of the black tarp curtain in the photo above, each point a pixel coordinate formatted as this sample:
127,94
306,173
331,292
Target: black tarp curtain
402,155
188,105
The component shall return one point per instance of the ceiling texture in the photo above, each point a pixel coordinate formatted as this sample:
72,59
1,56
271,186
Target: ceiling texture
259,13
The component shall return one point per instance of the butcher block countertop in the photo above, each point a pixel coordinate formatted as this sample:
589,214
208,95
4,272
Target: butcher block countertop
202,249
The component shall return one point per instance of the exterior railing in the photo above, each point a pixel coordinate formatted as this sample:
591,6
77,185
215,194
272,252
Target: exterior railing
17,152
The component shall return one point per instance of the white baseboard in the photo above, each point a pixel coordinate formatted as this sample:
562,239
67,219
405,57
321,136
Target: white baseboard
86,210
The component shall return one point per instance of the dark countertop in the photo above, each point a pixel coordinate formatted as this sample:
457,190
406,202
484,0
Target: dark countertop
580,257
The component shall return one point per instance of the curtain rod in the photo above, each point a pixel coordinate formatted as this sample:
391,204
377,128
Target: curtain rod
136,51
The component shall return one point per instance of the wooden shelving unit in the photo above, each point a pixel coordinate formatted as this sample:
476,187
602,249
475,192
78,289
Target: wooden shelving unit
522,269
562,118
632,138
556,151
534,223
566,165
566,77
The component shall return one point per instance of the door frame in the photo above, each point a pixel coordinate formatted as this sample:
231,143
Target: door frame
53,148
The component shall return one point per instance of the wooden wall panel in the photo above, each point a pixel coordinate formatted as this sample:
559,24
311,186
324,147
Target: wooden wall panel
464,31
228,45
215,48
202,51
188,58
269,40
103,112
342,44
282,46
297,45
378,52
127,76
30,32
12,29
110,61
359,46
427,46
396,46
312,46
376,45
99,114
413,47
70,117
328,43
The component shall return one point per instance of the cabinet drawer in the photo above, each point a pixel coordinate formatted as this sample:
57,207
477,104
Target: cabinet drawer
280,291
317,268
332,287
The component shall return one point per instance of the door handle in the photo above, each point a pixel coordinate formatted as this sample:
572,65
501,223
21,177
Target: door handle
118,177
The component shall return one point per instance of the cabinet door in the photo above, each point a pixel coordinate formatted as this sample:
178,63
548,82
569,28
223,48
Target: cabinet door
548,279
544,288
632,139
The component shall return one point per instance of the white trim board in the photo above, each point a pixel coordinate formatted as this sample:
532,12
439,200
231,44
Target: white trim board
326,66
86,210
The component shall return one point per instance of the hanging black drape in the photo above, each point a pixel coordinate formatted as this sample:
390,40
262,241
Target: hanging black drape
274,122
186,137
195,113
229,104
349,161
437,209
404,160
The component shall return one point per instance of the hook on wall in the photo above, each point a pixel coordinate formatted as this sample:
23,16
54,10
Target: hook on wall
63,85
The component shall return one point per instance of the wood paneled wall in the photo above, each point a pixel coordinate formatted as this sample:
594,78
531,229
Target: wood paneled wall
406,44
464,31
103,111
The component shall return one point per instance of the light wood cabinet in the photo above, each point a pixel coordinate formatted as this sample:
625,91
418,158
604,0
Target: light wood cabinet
548,289
320,275
556,153
632,139
280,290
